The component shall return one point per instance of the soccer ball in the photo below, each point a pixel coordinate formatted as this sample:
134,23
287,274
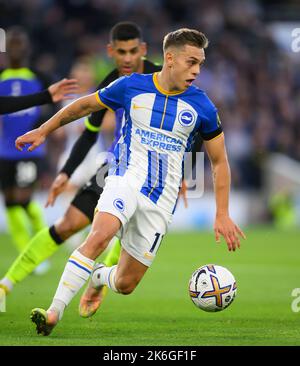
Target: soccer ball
212,288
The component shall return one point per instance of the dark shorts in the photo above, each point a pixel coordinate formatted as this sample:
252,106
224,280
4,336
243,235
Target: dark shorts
87,197
20,173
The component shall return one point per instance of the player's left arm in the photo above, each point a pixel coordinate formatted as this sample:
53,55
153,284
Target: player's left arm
224,226
77,109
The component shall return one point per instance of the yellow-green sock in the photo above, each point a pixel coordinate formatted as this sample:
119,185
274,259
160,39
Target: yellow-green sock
40,247
18,226
36,216
113,255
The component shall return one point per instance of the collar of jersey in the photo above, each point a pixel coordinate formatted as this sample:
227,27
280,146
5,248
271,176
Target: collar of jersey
163,91
20,73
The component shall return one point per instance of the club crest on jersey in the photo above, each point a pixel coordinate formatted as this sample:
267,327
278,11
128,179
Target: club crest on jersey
119,204
186,118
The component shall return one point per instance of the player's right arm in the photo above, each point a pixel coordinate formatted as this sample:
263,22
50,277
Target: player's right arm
89,136
81,147
77,109
112,97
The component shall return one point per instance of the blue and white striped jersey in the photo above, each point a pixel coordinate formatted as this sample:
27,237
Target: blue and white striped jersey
158,128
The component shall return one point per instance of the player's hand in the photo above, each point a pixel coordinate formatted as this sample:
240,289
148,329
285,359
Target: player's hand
182,193
34,138
58,186
62,90
229,230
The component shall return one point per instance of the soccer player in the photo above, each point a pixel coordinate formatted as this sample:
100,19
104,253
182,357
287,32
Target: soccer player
163,112
56,92
127,49
19,172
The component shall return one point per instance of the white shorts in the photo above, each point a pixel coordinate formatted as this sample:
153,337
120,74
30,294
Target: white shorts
143,223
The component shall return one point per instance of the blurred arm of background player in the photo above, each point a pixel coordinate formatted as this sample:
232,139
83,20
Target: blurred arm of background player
55,93
103,118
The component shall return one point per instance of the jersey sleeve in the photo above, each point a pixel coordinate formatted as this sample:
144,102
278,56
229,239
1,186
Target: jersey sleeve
211,125
113,96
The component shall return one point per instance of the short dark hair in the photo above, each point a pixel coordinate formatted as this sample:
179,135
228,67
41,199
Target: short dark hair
124,31
17,31
185,36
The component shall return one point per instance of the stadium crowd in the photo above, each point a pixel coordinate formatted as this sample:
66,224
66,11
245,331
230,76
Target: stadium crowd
252,81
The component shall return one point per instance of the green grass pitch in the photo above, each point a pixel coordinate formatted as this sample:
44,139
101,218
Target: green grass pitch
160,312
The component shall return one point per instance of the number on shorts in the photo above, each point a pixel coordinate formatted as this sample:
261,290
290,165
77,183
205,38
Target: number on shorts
26,173
157,240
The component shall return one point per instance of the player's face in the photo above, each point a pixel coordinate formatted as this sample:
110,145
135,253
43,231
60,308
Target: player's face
184,65
128,55
17,47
